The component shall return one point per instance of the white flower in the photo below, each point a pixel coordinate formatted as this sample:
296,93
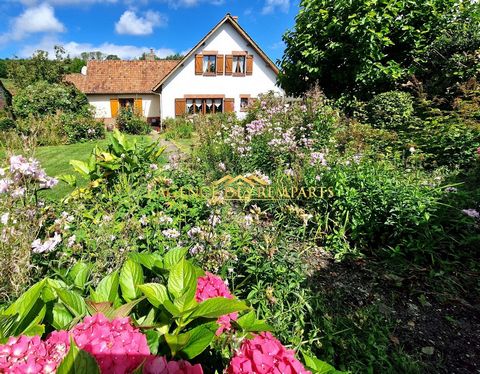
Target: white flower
112,238
194,231
5,184
71,241
4,218
171,233
47,246
143,220
412,149
153,167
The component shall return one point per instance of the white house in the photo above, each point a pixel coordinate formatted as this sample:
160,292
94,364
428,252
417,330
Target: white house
221,73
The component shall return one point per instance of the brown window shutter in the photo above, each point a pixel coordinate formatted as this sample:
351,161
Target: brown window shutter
220,59
229,105
198,64
180,107
228,64
114,106
249,69
138,106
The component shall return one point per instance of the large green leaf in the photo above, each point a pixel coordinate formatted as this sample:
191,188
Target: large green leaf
182,277
131,276
173,256
80,167
319,366
177,342
79,274
249,323
156,293
78,361
73,301
149,260
200,338
187,300
61,317
216,307
107,289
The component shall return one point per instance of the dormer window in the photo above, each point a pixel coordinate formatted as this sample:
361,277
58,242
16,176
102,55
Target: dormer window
239,65
209,64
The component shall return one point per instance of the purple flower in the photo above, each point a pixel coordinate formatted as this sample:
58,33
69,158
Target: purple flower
471,213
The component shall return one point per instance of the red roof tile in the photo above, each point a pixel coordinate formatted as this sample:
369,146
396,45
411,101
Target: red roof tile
117,76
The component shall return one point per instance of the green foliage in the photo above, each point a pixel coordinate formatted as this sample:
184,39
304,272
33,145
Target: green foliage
131,123
178,128
6,123
121,156
43,98
80,128
183,327
362,47
391,110
37,68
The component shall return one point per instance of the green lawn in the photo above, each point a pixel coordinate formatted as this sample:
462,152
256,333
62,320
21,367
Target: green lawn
55,160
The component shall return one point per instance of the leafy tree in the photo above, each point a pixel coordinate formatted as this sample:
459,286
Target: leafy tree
75,65
3,68
366,46
112,57
38,68
43,98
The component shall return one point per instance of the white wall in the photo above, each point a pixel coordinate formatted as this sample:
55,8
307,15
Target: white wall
185,82
101,103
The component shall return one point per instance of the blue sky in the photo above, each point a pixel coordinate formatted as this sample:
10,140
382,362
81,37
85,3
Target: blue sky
129,27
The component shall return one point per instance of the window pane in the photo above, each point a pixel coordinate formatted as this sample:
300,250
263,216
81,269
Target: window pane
209,64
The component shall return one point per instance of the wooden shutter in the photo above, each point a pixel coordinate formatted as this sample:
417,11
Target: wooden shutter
180,107
249,69
229,105
220,64
114,106
138,106
228,64
198,64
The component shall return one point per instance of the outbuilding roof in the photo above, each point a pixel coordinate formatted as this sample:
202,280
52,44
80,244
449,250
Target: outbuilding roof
121,77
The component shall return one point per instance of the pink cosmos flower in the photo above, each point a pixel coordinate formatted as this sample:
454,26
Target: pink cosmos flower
210,286
265,354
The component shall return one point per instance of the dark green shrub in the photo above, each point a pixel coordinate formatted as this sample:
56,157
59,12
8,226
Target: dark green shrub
79,128
6,124
130,123
178,128
42,98
391,110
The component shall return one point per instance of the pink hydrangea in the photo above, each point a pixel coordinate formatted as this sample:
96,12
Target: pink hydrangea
29,354
210,286
117,346
159,365
265,354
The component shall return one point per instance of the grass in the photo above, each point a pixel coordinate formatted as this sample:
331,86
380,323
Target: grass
56,161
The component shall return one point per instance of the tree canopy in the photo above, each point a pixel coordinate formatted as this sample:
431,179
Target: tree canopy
369,46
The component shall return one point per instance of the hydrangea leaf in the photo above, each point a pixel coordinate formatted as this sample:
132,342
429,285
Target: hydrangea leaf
131,275
78,361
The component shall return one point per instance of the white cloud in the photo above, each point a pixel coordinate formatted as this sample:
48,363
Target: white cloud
75,49
65,2
37,19
191,3
271,5
130,23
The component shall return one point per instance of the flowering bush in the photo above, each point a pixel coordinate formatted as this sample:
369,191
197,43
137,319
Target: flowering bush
22,218
210,286
265,354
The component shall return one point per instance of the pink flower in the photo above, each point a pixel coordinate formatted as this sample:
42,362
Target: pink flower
159,365
117,346
210,286
265,354
29,354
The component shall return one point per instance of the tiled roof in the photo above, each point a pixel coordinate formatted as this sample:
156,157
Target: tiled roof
117,76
